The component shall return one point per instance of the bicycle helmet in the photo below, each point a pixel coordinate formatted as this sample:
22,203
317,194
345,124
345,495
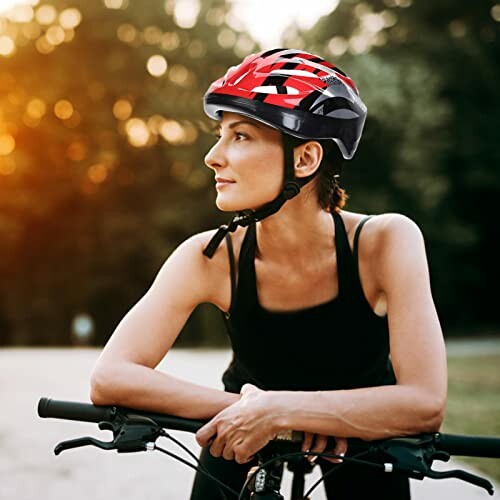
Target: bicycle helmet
299,93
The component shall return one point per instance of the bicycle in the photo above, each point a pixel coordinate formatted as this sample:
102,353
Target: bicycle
136,430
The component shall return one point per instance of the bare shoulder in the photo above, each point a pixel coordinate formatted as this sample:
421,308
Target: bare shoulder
189,255
391,227
380,231
211,275
220,259
394,244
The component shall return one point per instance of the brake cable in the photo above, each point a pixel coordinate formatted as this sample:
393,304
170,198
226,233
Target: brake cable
410,456
201,467
332,470
201,470
261,483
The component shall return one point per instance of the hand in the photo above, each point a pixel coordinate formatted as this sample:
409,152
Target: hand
242,429
317,443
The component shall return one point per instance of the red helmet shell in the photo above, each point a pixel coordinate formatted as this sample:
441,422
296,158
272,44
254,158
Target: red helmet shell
295,91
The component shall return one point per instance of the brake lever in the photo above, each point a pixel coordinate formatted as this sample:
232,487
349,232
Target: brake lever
464,476
84,441
129,435
415,459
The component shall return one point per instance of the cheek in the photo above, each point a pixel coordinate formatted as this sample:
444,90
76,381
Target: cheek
266,168
262,177
259,174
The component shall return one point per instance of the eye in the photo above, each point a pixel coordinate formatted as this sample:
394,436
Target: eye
241,135
238,135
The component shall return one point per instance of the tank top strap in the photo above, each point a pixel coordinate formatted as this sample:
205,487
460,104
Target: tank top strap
246,288
355,252
356,242
232,268
345,269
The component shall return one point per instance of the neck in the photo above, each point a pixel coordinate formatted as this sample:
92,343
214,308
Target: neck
300,229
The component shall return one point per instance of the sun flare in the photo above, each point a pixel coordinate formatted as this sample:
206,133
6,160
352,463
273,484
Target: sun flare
5,5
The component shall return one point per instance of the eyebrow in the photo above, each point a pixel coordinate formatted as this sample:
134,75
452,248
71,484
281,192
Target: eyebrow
217,127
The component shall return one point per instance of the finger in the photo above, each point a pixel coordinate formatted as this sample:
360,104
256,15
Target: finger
217,447
341,446
247,388
241,454
252,471
320,443
207,433
244,459
308,440
228,453
319,446
340,449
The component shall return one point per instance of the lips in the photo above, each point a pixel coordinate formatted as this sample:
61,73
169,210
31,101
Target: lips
221,179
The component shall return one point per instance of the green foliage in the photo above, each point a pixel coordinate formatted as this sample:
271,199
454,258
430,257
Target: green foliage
90,207
429,74
473,403
107,173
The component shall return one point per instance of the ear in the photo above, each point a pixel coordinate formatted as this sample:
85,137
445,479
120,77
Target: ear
307,158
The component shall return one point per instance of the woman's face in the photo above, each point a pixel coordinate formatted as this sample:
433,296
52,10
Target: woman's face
247,160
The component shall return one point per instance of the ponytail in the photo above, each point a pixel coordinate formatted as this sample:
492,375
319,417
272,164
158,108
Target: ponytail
331,196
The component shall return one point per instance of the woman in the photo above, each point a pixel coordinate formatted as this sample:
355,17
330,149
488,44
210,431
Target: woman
313,307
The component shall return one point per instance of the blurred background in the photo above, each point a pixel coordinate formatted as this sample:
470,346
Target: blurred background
102,139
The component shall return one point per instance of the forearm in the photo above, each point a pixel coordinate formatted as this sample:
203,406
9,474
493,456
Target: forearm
368,413
136,386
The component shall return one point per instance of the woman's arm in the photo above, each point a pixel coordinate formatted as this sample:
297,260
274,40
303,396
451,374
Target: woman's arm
415,404
124,373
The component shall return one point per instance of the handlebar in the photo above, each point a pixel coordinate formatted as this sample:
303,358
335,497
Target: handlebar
137,430
69,410
86,412
469,446
454,444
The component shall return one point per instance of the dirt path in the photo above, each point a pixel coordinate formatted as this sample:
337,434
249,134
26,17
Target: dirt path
30,471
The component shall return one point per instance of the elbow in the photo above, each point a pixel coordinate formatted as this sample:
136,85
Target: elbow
103,387
432,414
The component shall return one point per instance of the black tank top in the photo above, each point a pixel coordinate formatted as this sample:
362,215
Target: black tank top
340,344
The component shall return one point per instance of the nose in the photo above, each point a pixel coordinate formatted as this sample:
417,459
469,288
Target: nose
215,158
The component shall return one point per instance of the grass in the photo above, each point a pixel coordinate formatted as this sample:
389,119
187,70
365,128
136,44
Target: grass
474,403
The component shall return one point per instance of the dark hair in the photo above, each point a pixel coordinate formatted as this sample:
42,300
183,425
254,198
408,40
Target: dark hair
331,196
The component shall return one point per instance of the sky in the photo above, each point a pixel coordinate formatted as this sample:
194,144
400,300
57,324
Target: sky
5,4
265,20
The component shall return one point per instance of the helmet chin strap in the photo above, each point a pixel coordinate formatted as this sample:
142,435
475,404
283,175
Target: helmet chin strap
291,188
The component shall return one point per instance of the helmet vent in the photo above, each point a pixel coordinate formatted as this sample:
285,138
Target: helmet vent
294,72
275,89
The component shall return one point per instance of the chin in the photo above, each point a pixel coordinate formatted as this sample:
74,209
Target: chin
227,203
231,203
229,206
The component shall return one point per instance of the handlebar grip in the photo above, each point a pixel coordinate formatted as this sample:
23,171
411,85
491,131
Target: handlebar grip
69,410
86,412
469,446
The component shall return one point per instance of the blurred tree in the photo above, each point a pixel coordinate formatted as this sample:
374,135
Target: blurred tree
428,73
102,138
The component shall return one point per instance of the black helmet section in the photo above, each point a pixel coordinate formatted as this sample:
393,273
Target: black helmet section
345,130
291,188
299,93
